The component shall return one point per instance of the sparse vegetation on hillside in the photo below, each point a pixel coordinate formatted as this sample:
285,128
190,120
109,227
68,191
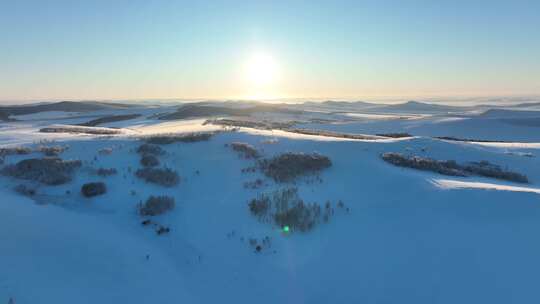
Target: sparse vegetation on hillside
104,172
487,169
289,166
264,125
394,135
93,189
105,151
150,149
109,119
80,129
204,110
52,150
333,134
156,205
166,139
452,168
448,167
161,176
25,190
49,171
245,150
15,151
149,160
451,138
285,208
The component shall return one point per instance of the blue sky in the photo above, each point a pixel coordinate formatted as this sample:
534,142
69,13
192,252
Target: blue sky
318,49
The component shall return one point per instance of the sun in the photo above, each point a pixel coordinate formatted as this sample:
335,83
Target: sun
261,70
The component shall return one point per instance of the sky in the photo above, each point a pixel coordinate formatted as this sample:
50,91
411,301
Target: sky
80,50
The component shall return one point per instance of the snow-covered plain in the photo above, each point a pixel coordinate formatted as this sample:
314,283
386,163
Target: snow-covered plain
410,237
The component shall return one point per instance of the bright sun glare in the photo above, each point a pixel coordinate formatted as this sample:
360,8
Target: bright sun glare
261,70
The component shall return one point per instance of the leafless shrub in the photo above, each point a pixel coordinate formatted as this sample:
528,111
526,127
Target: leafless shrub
148,160
252,169
166,139
15,151
25,190
104,172
150,149
164,177
105,151
260,206
93,189
156,205
246,150
50,171
288,166
163,230
256,184
52,150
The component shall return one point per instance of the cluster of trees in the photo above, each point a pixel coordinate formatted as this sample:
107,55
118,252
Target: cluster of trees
285,208
93,189
52,150
161,176
246,150
166,139
104,172
287,167
49,171
156,205
80,129
452,168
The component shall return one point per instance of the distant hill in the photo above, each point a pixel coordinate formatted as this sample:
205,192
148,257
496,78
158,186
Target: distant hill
508,113
421,107
4,116
198,110
65,106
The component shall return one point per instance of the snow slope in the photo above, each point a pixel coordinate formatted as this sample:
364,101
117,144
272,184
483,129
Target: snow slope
407,238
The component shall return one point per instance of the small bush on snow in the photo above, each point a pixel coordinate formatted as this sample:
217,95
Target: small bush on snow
164,177
150,149
148,160
15,151
52,150
104,172
25,190
93,189
246,150
156,205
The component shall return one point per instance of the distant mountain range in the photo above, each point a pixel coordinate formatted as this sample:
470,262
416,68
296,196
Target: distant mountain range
412,106
243,108
64,106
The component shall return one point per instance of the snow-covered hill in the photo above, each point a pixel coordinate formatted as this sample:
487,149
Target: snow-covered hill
409,236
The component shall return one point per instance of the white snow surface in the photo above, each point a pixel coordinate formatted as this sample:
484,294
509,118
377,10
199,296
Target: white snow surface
410,237
456,184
